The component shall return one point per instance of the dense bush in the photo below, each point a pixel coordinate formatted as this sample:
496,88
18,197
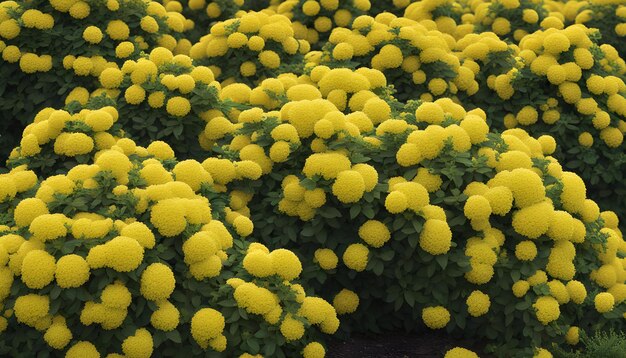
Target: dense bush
51,47
135,252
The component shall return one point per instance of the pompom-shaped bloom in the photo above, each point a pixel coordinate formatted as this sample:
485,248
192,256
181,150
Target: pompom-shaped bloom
30,308
254,299
38,269
178,106
547,309
122,254
314,350
577,291
604,302
356,257
459,352
572,336
286,264
436,237
71,271
140,232
533,221
58,336
192,173
139,345
374,233
574,192
478,303
82,349
326,258
520,288
477,207
48,227
206,324
526,250
157,282
435,317
258,263
168,216
346,301
349,186
500,199
28,209
396,202
291,328
166,318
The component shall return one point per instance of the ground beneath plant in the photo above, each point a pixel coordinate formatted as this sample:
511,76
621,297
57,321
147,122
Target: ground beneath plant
397,345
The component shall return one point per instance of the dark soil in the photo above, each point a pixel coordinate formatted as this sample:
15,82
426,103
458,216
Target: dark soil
396,345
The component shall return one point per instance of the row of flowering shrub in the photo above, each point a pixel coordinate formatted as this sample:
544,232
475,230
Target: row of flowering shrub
250,183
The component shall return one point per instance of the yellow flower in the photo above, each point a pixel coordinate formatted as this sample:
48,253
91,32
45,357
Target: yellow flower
38,269
459,352
314,349
92,34
140,345
326,258
58,336
526,251
520,288
30,308
349,186
477,207
118,30
604,302
82,349
478,303
178,106
356,257
292,329
285,264
166,318
157,282
269,59
71,271
436,237
435,317
572,336
547,309
346,301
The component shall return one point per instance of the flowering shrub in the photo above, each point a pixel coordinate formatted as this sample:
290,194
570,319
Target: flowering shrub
436,171
137,253
255,46
580,93
50,47
378,212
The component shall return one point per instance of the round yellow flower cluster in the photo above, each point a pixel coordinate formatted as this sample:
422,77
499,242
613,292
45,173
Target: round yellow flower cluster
255,45
260,262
